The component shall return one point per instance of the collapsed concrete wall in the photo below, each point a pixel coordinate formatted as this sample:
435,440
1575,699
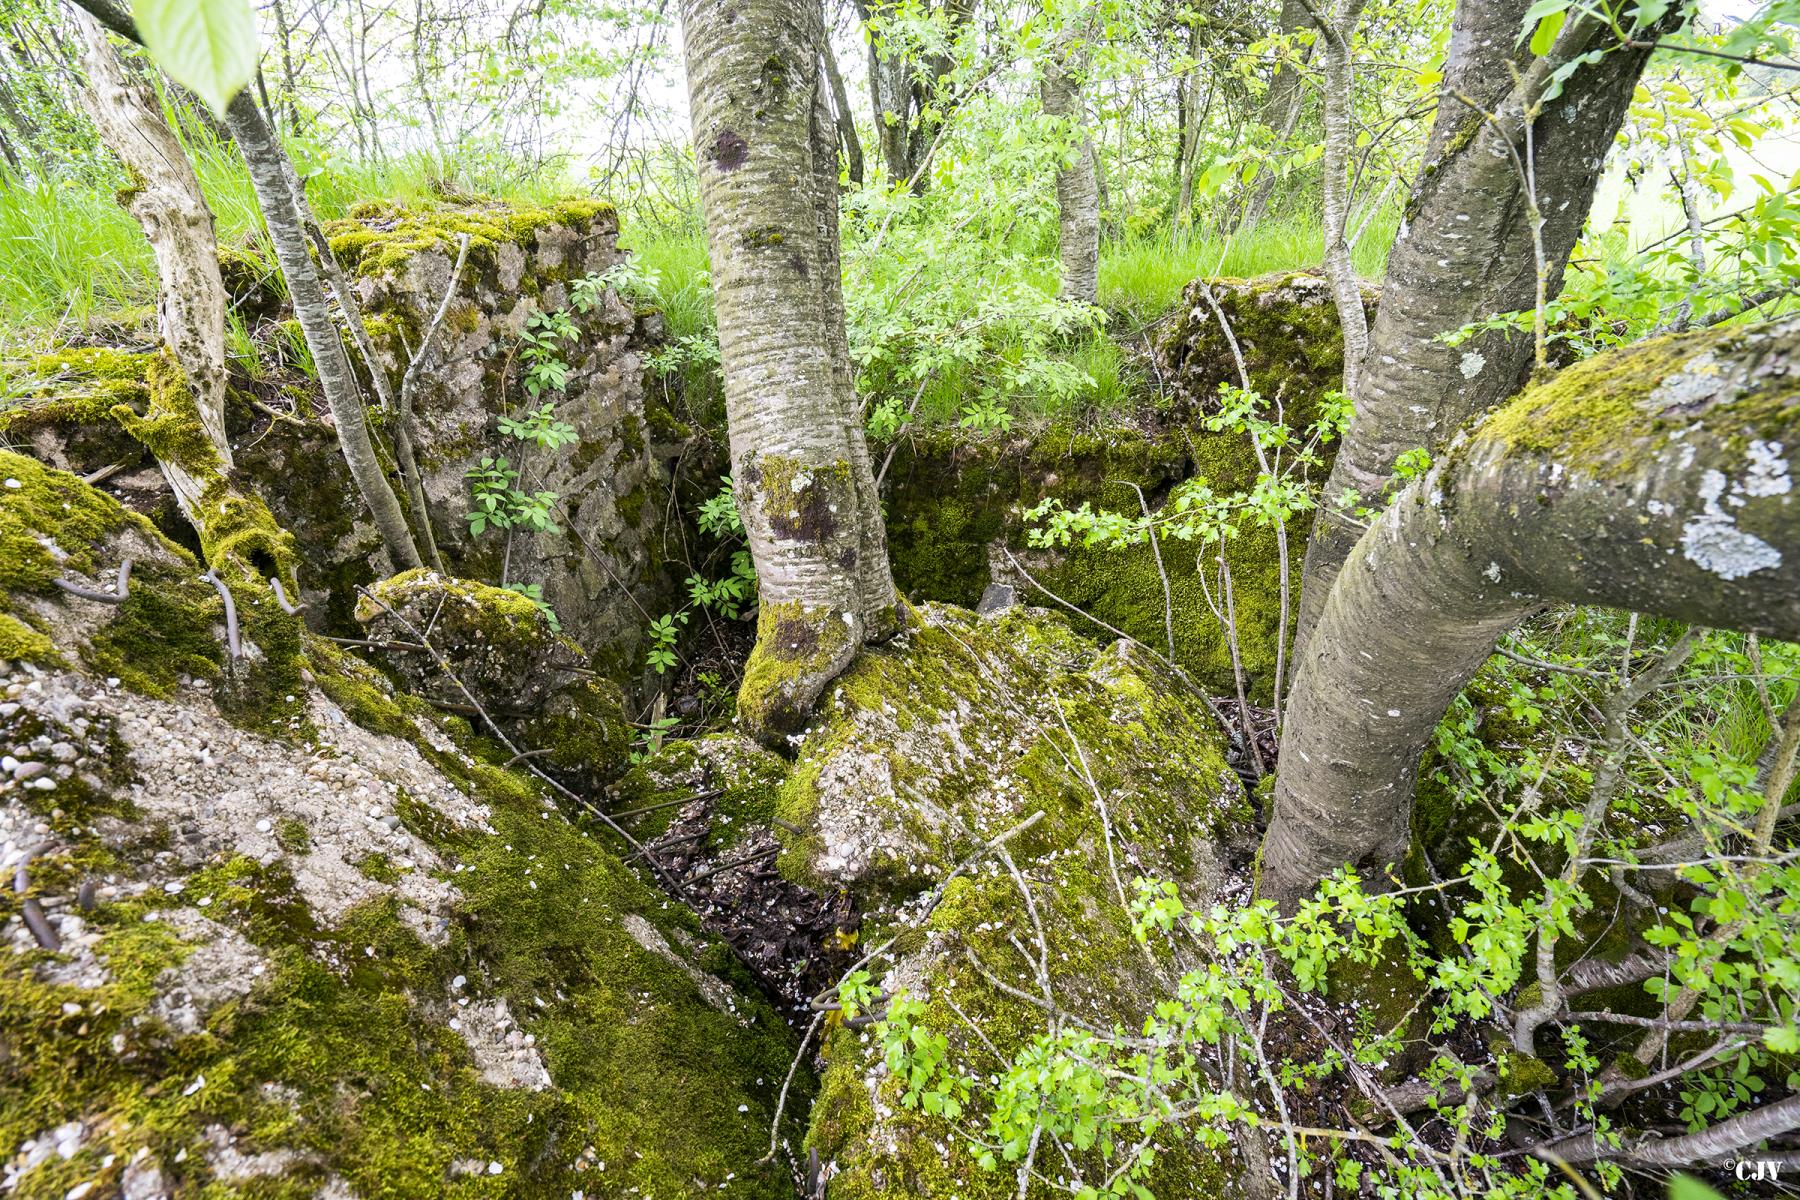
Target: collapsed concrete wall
600,570
954,502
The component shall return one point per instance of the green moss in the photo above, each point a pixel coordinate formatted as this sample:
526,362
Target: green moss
1605,415
169,626
39,504
795,646
379,867
800,500
949,502
906,714
1521,1074
19,642
293,835
403,234
170,428
72,388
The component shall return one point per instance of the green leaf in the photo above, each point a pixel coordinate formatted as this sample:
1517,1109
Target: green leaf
1541,9
207,45
1547,29
1686,1187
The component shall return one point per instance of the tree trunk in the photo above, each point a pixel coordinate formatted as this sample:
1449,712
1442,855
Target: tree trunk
1077,182
269,172
1654,480
1465,252
1193,120
1339,36
901,96
846,120
166,200
1280,112
766,150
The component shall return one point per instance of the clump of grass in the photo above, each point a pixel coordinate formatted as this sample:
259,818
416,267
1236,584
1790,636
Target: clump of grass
1141,279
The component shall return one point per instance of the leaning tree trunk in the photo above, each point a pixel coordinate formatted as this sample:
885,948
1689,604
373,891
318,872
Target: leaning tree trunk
1653,479
766,150
269,173
1466,252
267,160
166,199
1077,182
846,120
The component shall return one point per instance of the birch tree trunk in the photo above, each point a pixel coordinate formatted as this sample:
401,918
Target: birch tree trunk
267,160
1658,478
1339,36
1465,251
1077,181
166,200
766,150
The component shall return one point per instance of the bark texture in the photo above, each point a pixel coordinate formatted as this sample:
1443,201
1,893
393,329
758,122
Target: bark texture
1657,479
1077,182
765,144
269,176
166,200
1465,251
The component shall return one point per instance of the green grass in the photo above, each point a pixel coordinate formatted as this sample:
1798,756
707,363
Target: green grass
679,261
1141,280
70,255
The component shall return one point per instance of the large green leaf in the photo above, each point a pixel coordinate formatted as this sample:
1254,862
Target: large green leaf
208,46
1686,1187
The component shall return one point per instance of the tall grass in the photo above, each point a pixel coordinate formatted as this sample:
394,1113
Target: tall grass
1142,279
679,261
69,254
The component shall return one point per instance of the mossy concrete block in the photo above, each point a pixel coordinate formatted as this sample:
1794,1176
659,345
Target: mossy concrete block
927,749
373,962
1285,326
536,682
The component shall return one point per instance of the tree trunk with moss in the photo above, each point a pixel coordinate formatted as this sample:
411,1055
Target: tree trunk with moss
1465,251
765,145
267,160
166,200
1657,479
1077,179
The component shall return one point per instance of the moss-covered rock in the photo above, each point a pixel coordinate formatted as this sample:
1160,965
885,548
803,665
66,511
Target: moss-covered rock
1285,326
503,651
374,961
60,405
926,750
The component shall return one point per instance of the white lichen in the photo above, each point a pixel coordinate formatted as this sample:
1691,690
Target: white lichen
1715,543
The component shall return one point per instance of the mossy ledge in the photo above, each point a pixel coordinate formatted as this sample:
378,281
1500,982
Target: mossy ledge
379,238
